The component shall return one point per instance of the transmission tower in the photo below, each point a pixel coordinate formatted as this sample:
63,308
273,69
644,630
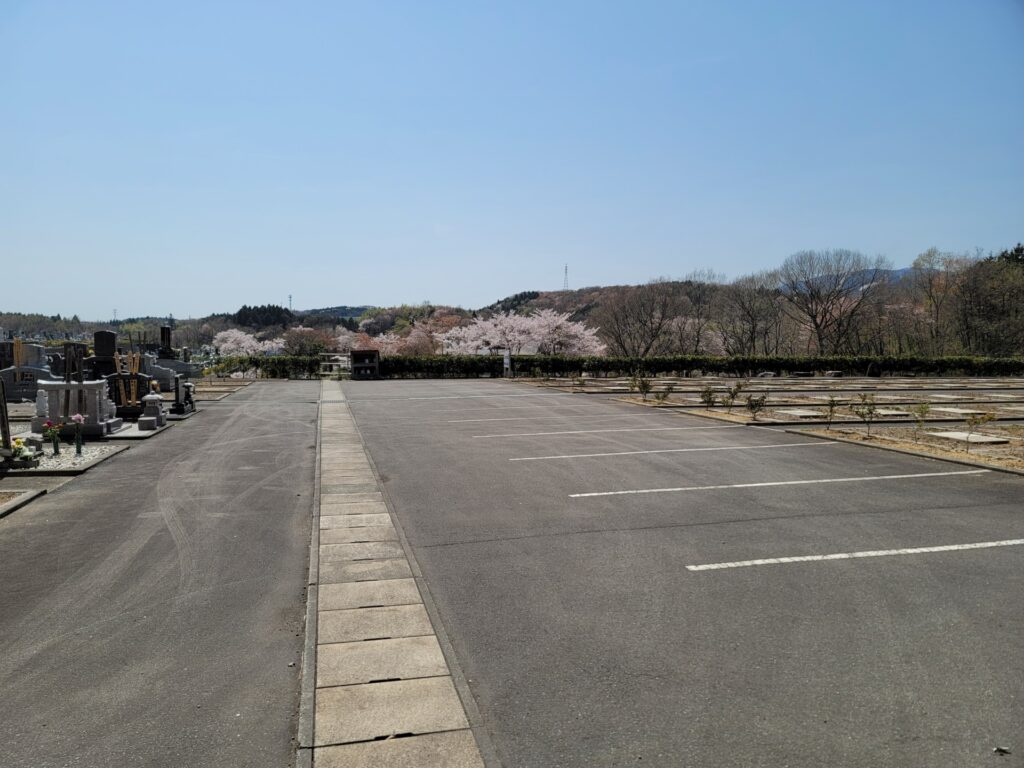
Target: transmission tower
565,281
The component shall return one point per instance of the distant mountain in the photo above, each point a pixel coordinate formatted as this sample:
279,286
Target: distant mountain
339,312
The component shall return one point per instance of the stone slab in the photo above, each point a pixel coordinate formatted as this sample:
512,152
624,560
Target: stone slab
800,413
370,550
958,411
449,749
402,658
363,712
354,521
364,570
368,533
359,624
964,437
368,594
344,505
346,488
891,412
332,478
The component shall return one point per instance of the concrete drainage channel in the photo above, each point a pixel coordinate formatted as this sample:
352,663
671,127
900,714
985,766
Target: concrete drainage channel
376,690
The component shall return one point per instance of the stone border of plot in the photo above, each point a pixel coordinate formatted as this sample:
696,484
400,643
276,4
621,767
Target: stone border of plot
907,452
811,422
378,689
20,501
134,434
69,472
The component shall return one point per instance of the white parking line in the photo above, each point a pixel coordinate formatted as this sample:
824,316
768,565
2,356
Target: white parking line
852,555
445,397
674,450
782,482
563,416
624,429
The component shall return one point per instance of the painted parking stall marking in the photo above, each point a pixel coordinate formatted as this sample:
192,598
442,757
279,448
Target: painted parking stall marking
614,429
673,450
855,555
779,483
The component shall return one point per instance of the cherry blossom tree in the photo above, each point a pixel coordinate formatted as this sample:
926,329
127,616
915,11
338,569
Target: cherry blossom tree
236,342
545,331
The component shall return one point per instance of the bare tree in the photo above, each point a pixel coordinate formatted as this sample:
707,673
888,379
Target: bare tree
752,315
934,278
636,323
828,290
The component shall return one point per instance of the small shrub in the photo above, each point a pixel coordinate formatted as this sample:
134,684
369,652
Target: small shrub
708,397
920,412
756,404
662,396
866,410
731,394
830,410
643,385
974,421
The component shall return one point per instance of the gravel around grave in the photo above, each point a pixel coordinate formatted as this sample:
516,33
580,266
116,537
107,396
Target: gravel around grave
6,496
1009,456
67,458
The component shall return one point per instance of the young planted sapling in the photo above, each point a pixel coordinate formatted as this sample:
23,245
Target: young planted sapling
708,397
866,410
756,404
974,421
920,413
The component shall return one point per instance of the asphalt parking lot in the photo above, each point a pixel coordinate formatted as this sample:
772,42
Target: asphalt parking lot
594,568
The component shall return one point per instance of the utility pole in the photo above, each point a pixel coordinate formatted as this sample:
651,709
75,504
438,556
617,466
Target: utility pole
565,282
289,302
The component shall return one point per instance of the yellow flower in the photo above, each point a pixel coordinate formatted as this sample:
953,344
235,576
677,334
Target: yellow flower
18,442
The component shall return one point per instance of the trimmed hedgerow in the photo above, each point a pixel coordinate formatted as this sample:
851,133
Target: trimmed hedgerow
556,366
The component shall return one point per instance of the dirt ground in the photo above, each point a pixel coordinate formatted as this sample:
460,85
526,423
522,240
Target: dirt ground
1009,455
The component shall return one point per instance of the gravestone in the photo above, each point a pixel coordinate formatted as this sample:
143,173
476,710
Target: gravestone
166,350
74,371
29,365
100,413
128,385
184,400
6,354
101,364
5,423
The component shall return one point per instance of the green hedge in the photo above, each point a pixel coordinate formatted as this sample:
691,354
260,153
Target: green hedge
473,366
271,366
453,366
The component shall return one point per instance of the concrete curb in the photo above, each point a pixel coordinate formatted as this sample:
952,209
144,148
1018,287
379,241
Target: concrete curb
20,501
904,451
307,687
64,472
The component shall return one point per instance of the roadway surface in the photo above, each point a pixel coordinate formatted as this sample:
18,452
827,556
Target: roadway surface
586,641
150,608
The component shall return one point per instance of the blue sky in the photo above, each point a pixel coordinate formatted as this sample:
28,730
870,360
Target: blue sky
188,158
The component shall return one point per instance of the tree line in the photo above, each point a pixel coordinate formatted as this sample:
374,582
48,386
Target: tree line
832,302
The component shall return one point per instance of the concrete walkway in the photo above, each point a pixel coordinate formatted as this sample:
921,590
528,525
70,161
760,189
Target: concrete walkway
377,690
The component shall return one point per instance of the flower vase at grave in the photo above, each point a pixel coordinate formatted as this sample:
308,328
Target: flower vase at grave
78,420
56,445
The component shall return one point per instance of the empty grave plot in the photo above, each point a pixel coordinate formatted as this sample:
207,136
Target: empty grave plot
806,400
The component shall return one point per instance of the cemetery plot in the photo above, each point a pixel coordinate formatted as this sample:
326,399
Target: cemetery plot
993,444
833,400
